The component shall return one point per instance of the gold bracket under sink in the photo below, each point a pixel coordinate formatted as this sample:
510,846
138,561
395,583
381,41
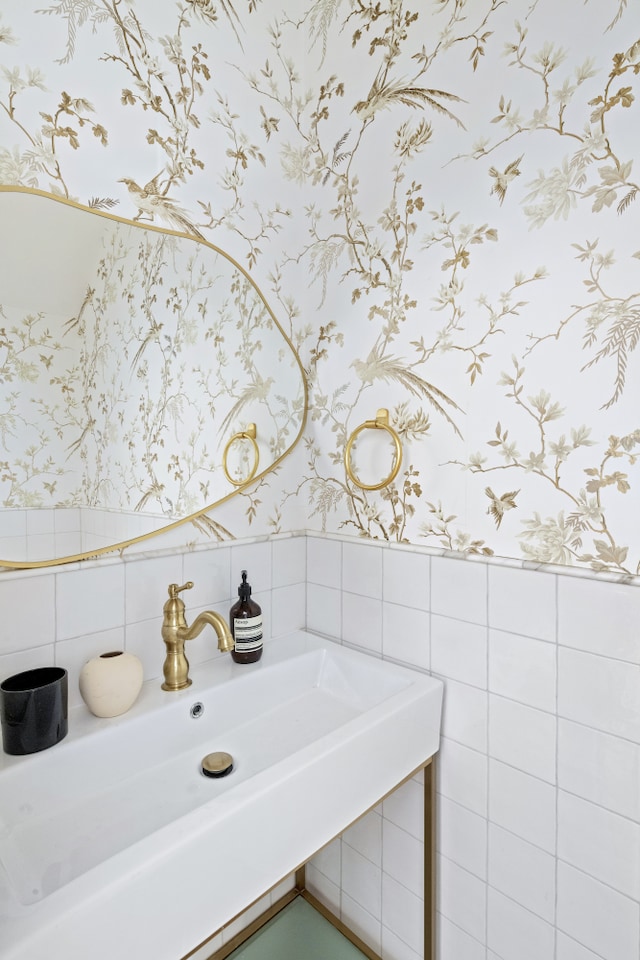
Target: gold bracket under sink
300,890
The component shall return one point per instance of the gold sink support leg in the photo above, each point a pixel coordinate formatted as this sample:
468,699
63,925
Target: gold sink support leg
430,861
300,889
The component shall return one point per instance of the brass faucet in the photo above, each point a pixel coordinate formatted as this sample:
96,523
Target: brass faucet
175,633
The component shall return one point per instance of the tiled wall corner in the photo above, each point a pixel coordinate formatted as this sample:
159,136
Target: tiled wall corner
539,768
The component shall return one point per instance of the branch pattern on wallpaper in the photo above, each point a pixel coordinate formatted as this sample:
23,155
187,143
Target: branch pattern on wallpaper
443,200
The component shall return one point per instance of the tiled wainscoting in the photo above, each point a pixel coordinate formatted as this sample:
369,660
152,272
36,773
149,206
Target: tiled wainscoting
539,769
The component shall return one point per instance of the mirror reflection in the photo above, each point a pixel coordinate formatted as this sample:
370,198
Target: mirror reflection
129,358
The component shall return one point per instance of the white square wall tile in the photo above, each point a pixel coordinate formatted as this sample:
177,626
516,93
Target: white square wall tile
362,569
523,804
514,933
523,669
523,737
459,650
393,948
465,715
463,775
459,589
455,944
90,600
324,889
361,879
405,807
255,558
598,917
362,622
210,573
405,634
289,561
288,611
73,654
324,562
570,949
403,857
144,639
25,622
406,578
324,610
462,898
522,601
365,836
361,922
31,659
329,861
601,843
599,692
599,617
462,837
147,587
523,872
599,767
403,914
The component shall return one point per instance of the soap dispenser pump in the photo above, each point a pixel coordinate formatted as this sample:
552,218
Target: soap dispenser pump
246,625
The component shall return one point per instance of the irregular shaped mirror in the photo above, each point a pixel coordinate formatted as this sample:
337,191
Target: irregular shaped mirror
138,383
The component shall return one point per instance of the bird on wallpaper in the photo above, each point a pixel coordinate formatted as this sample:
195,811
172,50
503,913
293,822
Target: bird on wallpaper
502,180
151,203
256,393
499,505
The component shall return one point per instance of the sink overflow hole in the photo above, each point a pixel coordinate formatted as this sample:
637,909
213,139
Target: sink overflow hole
197,710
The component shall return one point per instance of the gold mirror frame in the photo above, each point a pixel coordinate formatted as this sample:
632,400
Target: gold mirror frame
238,488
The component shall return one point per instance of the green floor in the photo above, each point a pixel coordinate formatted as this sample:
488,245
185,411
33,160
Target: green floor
297,933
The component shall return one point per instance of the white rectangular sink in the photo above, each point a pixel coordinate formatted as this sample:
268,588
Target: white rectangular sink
114,838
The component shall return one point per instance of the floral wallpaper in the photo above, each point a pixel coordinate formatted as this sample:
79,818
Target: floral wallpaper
129,400
440,202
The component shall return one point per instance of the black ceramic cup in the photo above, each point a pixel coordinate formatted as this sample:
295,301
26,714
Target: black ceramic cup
33,710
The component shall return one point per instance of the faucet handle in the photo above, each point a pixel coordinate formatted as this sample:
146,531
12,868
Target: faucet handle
174,589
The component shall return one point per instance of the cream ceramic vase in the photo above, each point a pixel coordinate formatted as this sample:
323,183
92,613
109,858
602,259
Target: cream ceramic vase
110,683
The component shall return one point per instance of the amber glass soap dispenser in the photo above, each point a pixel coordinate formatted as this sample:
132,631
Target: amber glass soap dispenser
246,625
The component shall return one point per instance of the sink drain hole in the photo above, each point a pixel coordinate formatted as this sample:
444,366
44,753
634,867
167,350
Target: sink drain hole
217,764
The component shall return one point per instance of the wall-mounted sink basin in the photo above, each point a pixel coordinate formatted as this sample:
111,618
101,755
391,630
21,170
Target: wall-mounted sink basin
113,843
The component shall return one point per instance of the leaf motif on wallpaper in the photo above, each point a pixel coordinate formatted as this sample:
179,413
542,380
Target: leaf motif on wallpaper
393,370
556,192
552,540
321,15
622,339
438,528
383,95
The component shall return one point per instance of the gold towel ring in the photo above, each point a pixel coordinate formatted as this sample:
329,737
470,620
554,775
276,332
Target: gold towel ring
381,422
248,434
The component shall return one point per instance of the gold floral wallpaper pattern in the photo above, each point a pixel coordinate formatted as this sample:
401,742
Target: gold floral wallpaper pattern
440,201
128,399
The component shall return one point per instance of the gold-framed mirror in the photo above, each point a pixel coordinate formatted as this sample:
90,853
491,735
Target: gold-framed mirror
129,356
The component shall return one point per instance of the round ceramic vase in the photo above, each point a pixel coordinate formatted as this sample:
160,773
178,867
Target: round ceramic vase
110,683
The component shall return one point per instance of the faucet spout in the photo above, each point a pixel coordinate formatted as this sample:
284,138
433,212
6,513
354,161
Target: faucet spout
176,632
219,624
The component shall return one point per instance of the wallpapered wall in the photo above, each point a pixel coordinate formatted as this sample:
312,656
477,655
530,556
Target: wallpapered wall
439,200
125,395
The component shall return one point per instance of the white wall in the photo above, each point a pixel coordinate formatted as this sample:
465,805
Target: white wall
539,769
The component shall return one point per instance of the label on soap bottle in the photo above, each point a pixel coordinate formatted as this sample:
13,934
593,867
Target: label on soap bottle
247,633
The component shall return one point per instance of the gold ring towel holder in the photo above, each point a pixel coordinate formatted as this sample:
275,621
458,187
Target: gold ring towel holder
381,422
250,435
